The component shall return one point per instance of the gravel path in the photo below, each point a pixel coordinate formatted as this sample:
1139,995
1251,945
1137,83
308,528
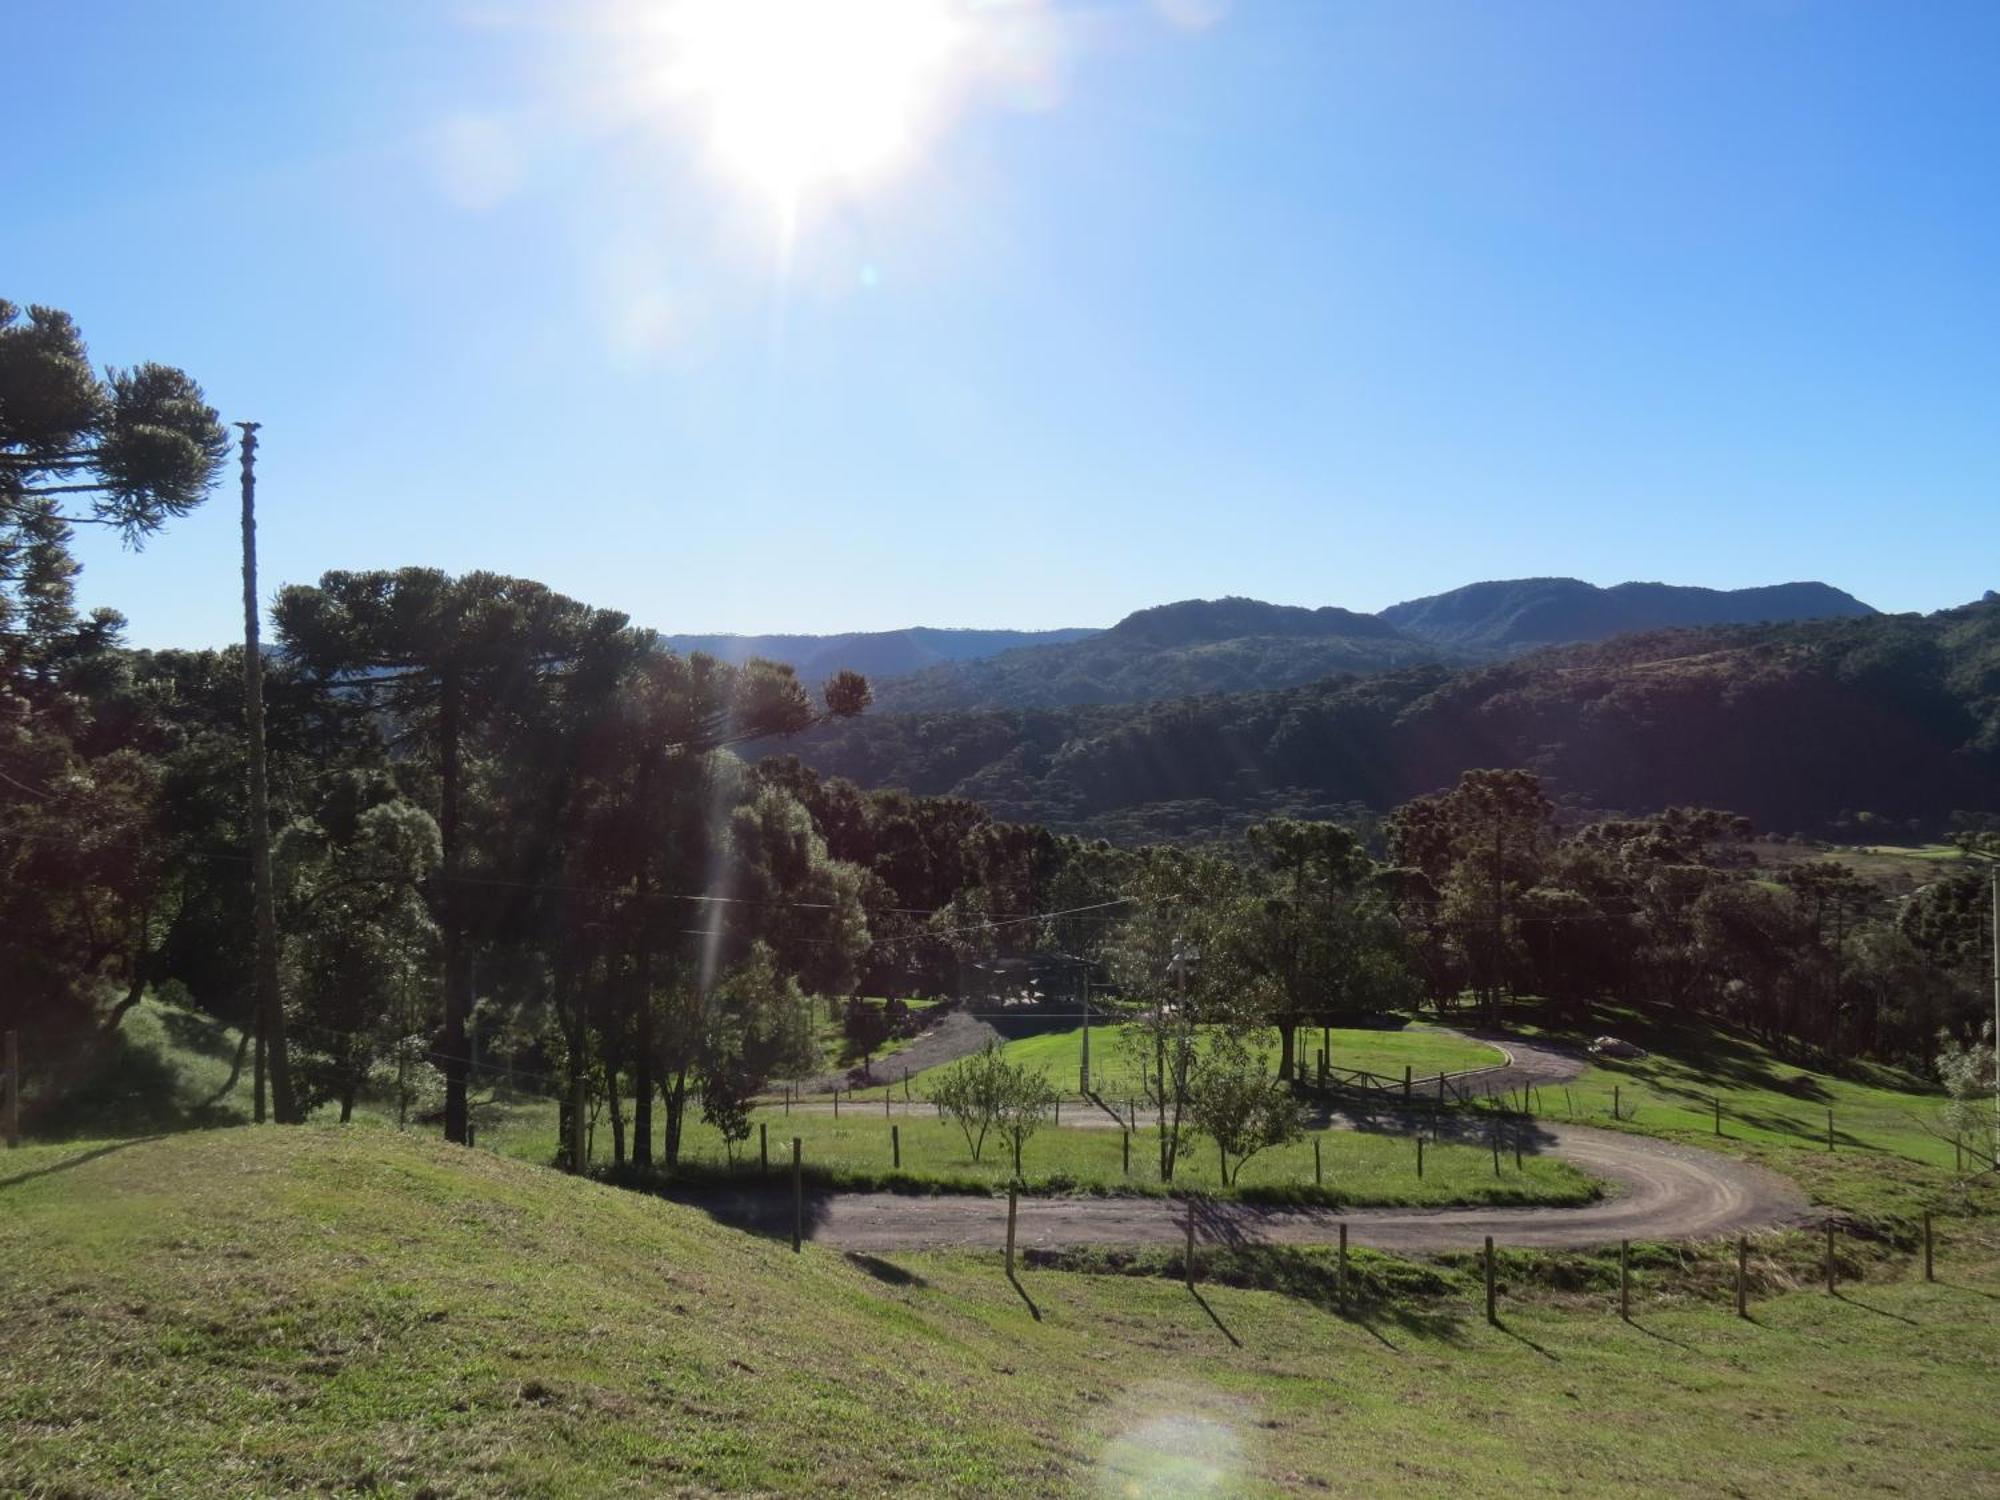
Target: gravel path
1661,1191
957,1035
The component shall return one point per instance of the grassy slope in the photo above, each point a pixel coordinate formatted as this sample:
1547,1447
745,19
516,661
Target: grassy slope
1888,1158
253,1311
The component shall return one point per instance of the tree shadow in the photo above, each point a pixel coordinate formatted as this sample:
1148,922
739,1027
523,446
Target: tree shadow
69,1162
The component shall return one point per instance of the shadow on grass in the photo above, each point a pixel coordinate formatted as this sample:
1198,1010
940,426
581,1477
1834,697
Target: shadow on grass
1015,1282
78,1160
1214,1317
1521,1338
1382,1291
1880,1312
884,1271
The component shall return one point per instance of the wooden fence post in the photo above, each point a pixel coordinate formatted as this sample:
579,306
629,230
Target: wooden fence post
1929,1274
1625,1279
885,1101
1495,1134
1718,1114
896,1146
1491,1315
1517,1151
13,1089
1318,1180
1343,1265
1408,1080
763,1148
1058,1109
1127,1136
836,1104
1420,1156
798,1198
1617,1101
1742,1276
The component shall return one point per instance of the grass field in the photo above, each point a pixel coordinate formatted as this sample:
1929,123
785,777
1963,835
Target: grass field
1889,1155
1114,1066
855,1151
249,1312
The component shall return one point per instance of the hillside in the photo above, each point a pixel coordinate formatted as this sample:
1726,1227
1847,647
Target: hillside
1522,614
1171,651
876,653
1796,726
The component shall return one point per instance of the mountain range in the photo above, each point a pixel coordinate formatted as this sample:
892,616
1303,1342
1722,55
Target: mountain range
1889,722
1201,646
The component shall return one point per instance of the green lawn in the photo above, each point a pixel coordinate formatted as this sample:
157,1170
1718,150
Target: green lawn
855,1150
250,1312
1114,1067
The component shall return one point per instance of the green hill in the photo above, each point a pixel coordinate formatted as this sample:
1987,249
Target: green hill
255,1312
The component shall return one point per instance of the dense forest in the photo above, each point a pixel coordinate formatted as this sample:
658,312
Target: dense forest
1802,727
508,823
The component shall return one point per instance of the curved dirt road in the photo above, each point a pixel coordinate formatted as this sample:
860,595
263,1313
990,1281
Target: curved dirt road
1663,1192
1660,1191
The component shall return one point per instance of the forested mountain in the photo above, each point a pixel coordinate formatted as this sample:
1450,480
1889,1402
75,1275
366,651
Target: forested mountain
1171,651
871,652
1793,725
1507,616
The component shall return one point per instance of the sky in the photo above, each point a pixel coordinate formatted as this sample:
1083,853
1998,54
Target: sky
822,315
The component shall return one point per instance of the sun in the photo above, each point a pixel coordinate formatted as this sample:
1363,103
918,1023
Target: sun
795,99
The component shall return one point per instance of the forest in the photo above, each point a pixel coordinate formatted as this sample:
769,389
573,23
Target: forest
510,824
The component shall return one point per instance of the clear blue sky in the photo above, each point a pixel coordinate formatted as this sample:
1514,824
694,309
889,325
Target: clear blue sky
1329,301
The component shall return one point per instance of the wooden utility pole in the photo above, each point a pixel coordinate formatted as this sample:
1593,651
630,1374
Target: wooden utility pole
270,1008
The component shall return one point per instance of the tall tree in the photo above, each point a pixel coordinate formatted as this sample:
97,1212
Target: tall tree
1321,934
449,658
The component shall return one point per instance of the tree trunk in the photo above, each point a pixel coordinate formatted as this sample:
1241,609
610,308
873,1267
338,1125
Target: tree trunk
347,1101
457,969
1288,1030
616,1105
675,1097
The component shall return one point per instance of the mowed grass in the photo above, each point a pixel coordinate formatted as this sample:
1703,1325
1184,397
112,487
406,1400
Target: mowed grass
262,1311
856,1150
1115,1064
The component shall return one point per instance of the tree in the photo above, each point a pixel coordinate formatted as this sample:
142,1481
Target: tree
1174,957
1235,1102
358,927
448,657
866,1027
985,1092
129,450
1321,935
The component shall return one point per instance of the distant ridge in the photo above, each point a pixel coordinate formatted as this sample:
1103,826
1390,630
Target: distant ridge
1170,651
877,653
1507,616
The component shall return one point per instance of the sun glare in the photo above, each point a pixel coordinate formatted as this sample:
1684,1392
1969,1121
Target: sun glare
796,98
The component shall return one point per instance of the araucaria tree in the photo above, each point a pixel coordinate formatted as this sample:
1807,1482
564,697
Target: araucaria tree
128,450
